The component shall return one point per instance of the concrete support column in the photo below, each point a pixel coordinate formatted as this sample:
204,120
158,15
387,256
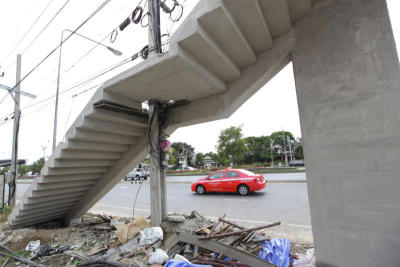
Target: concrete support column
348,87
157,170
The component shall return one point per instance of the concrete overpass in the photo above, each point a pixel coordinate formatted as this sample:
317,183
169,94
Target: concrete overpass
348,86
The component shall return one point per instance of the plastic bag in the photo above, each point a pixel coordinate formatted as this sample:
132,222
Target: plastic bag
174,263
159,256
151,235
276,251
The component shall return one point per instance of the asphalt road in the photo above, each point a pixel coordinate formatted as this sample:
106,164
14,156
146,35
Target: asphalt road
291,176
285,202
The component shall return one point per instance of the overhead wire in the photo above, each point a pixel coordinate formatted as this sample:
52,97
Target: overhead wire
63,41
90,50
26,33
45,27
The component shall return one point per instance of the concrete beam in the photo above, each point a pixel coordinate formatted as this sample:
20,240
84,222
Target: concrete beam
253,78
348,87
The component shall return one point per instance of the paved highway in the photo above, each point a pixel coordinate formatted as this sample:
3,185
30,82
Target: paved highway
285,202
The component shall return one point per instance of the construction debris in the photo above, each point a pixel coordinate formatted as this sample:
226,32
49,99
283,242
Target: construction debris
101,240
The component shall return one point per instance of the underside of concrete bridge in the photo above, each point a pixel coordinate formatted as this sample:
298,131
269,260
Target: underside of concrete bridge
348,87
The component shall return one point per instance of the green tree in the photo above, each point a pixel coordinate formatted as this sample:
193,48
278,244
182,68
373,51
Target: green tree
258,149
171,157
37,166
23,169
199,160
4,170
231,144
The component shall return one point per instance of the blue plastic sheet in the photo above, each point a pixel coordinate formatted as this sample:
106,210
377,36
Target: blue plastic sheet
174,263
276,251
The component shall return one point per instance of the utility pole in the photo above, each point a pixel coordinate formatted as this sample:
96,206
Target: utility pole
154,27
14,157
290,147
272,158
284,148
158,202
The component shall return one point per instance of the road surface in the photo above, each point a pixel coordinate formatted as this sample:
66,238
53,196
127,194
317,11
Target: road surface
285,202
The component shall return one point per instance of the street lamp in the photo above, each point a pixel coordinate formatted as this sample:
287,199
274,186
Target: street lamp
114,51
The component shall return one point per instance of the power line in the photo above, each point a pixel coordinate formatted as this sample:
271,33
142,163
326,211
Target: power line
26,33
45,27
73,32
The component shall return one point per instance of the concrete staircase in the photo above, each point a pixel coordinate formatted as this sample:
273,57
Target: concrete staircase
221,55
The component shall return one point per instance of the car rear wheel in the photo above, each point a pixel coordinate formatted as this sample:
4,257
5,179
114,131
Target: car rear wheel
200,189
137,177
243,190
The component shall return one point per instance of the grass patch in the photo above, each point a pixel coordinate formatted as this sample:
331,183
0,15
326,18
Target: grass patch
4,212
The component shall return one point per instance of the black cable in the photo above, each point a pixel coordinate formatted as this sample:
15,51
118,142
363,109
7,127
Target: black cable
139,12
46,57
30,28
45,27
134,203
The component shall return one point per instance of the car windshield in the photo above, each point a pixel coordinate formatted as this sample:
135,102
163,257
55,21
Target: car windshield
249,173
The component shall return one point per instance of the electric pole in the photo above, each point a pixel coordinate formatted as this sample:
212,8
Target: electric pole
14,157
272,158
290,147
284,148
158,200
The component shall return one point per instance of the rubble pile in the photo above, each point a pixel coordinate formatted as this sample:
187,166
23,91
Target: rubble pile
183,241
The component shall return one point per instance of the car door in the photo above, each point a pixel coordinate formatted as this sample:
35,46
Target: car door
232,179
214,182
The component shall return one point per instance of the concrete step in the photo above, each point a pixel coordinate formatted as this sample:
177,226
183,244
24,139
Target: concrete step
49,204
95,136
69,154
70,163
49,209
74,145
111,127
69,178
51,186
49,199
75,170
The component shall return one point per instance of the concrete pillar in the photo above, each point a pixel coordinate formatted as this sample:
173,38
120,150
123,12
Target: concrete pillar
348,88
157,170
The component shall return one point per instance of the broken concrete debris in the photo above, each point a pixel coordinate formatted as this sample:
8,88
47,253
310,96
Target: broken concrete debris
100,240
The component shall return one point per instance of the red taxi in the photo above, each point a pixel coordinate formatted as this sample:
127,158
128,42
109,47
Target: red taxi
230,180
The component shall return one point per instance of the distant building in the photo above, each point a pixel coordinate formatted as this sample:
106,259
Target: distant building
208,162
182,160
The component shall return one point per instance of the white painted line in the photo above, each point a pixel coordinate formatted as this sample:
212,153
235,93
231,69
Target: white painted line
118,207
124,187
250,221
125,195
209,217
235,199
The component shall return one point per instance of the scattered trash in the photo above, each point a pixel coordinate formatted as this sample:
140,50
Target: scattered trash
175,263
33,248
151,235
305,260
128,231
158,256
183,241
276,251
180,258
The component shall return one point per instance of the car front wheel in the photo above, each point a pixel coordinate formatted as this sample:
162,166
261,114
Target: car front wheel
200,189
243,190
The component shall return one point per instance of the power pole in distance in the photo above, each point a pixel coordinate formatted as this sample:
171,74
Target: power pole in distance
14,156
158,201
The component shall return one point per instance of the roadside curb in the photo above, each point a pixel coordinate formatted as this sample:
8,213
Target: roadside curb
268,182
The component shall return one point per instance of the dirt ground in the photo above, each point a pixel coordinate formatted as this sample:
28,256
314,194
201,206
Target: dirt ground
91,238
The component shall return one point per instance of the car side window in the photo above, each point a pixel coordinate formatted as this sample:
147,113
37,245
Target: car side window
217,175
231,174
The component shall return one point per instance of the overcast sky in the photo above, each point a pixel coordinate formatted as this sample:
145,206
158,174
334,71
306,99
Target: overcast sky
271,109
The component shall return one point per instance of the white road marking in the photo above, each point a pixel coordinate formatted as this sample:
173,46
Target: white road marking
209,217
118,207
124,187
234,199
125,195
